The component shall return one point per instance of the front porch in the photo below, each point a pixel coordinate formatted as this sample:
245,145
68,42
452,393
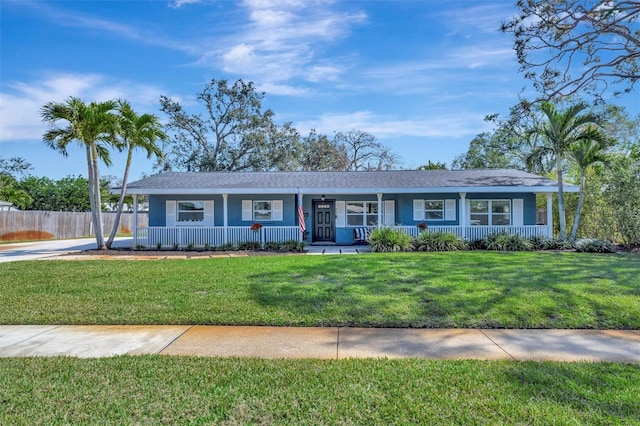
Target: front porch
182,236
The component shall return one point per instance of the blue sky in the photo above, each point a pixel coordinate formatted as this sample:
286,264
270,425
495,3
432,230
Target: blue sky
419,75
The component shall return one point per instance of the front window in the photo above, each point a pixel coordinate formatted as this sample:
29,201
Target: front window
190,212
262,210
362,213
491,212
434,209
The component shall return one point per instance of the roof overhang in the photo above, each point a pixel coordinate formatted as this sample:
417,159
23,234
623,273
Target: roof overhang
349,191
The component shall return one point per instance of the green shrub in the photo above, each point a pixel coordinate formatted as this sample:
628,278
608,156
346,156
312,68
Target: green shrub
537,242
208,247
272,246
159,245
506,242
389,240
594,245
477,245
225,247
191,247
249,245
294,246
557,244
439,241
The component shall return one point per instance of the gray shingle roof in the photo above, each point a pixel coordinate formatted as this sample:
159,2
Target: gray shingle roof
400,181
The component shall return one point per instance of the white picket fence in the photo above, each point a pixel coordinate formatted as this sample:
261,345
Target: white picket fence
183,236
472,233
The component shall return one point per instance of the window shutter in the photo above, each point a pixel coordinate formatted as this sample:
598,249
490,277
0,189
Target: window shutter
449,209
340,214
418,209
170,213
389,213
276,210
247,210
208,213
517,205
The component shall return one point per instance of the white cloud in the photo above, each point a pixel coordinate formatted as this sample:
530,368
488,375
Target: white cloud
442,125
281,41
177,4
20,105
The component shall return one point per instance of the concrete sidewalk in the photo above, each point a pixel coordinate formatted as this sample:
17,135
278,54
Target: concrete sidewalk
324,343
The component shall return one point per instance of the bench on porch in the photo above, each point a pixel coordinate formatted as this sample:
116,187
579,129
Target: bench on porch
361,234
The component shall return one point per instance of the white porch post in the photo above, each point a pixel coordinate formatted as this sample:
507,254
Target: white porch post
135,220
225,218
379,209
463,214
549,214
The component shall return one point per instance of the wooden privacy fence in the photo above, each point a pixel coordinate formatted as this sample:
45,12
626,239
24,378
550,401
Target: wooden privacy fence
39,225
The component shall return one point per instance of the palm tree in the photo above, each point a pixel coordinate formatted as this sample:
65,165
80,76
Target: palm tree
93,126
136,131
586,153
561,131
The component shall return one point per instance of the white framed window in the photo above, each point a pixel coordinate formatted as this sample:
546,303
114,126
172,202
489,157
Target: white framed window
362,213
490,212
433,209
436,210
190,212
262,210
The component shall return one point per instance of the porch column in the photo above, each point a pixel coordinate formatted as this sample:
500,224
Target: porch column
549,214
379,209
225,219
463,209
135,220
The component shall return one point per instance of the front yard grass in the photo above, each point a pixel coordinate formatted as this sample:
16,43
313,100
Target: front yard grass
232,391
433,290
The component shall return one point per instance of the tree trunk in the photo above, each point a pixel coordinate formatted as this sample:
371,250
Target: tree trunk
92,200
98,199
563,222
576,220
116,222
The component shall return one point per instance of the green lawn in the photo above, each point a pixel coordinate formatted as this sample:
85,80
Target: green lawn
178,390
465,289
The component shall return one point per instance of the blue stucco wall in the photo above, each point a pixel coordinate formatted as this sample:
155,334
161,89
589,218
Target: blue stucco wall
529,203
157,208
403,209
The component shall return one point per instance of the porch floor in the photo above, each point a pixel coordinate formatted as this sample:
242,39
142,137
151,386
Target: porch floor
334,249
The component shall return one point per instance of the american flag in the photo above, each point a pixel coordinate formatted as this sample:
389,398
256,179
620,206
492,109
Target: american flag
303,226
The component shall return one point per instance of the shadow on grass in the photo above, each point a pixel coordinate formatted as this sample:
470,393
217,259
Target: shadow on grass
465,290
605,388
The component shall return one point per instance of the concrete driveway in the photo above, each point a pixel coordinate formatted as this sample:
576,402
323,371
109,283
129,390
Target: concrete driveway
42,249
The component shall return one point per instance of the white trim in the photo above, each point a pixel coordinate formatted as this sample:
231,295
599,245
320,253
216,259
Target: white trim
170,213
341,217
449,209
209,213
418,209
517,205
276,210
389,213
247,210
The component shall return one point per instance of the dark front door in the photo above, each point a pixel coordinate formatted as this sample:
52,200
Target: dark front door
324,228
